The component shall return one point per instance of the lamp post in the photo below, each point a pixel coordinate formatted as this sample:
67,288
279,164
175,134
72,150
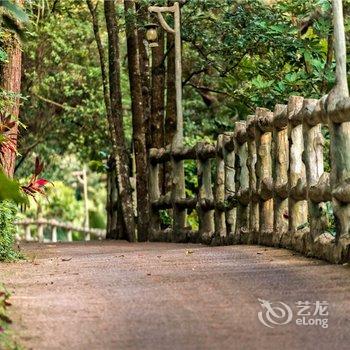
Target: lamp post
178,183
151,36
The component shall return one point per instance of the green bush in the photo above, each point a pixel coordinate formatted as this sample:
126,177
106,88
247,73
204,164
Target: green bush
8,212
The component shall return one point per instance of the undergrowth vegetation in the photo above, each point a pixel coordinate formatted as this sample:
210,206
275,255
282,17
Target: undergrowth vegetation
8,212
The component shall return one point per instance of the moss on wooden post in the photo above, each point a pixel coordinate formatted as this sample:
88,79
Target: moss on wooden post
205,195
280,173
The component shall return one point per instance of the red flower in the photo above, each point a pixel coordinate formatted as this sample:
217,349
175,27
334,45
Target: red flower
36,185
7,138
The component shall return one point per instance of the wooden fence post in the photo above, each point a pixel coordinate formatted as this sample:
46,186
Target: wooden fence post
242,181
251,164
313,159
40,231
28,235
298,209
178,193
230,188
280,173
154,194
54,233
339,126
264,174
219,193
205,198
69,236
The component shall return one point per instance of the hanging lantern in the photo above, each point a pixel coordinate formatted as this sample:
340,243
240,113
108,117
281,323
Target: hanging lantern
152,34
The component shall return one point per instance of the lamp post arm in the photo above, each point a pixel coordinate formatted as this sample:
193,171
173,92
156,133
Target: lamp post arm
159,11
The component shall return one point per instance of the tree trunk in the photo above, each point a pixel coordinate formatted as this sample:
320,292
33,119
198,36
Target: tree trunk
10,74
156,126
142,18
114,218
122,159
112,192
139,137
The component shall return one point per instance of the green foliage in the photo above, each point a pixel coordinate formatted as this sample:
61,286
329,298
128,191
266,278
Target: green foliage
191,177
246,54
192,220
9,8
97,219
6,341
165,218
12,19
237,55
10,189
8,212
62,205
65,110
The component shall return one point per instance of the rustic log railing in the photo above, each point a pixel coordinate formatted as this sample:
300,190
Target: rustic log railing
41,224
270,186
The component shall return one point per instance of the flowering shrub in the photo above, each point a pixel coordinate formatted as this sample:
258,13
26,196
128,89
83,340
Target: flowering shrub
11,192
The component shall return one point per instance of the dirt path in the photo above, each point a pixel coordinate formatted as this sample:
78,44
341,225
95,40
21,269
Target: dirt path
118,295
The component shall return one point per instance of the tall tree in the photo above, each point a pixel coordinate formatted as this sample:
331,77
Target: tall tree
156,126
11,74
156,123
122,157
139,138
142,19
115,227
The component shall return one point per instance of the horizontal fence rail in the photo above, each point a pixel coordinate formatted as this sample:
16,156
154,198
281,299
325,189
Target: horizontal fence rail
270,185
41,224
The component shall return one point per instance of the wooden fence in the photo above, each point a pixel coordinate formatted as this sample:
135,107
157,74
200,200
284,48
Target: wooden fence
41,224
270,186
